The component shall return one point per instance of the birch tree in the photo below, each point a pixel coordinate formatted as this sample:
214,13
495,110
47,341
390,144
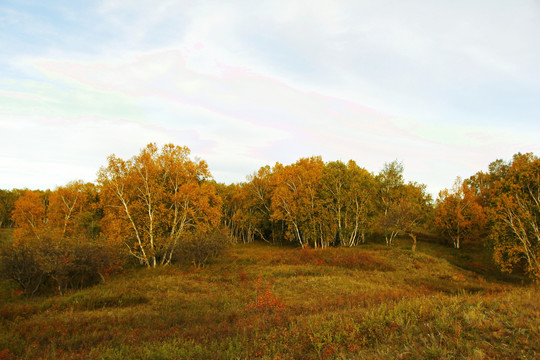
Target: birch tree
30,215
296,201
516,216
390,192
458,213
254,214
414,209
348,192
154,198
73,210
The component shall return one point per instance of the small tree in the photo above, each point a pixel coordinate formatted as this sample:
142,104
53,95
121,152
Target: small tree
415,208
458,214
407,213
390,191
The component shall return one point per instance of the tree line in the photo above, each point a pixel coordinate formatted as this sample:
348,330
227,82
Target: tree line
317,204
152,206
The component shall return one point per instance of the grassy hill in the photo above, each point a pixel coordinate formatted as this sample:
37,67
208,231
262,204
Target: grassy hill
260,301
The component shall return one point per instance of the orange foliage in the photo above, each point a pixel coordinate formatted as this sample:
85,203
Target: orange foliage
65,212
29,215
516,214
458,214
296,201
72,209
265,300
153,199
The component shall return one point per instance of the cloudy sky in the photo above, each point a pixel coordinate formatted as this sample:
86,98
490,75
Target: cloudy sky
446,87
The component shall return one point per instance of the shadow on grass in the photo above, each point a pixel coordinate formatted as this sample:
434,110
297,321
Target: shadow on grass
478,260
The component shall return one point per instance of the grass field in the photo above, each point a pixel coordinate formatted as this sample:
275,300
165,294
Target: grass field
260,301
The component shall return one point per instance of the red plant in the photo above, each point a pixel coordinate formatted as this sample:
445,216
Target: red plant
5,355
112,269
265,300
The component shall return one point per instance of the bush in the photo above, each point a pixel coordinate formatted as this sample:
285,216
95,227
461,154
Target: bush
76,264
20,264
201,246
57,263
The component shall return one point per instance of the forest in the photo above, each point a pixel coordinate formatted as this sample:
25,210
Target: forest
162,211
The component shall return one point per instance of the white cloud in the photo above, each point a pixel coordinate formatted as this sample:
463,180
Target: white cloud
245,84
45,154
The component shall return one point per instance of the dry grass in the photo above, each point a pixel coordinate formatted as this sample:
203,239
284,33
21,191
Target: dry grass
280,303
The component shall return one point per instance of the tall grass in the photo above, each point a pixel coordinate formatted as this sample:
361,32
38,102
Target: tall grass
274,303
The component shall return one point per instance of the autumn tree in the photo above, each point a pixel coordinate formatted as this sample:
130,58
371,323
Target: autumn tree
335,188
53,247
7,204
485,185
74,210
296,201
153,199
413,210
408,213
390,192
230,204
347,192
19,261
29,214
239,214
68,211
515,215
361,203
253,216
459,214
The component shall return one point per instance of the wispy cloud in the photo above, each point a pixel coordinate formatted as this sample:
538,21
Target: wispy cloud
446,88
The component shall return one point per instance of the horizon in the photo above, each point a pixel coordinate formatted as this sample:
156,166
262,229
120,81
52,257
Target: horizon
246,180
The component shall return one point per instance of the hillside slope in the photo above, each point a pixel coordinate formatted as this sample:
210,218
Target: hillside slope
268,302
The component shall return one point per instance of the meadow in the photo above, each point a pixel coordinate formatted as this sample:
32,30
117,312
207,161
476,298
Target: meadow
268,302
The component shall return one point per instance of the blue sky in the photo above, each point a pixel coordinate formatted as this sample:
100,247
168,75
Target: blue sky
444,87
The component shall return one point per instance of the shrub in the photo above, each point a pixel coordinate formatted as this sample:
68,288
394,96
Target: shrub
265,300
37,265
20,264
201,246
78,263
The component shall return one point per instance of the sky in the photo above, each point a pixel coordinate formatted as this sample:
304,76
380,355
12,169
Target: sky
445,87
